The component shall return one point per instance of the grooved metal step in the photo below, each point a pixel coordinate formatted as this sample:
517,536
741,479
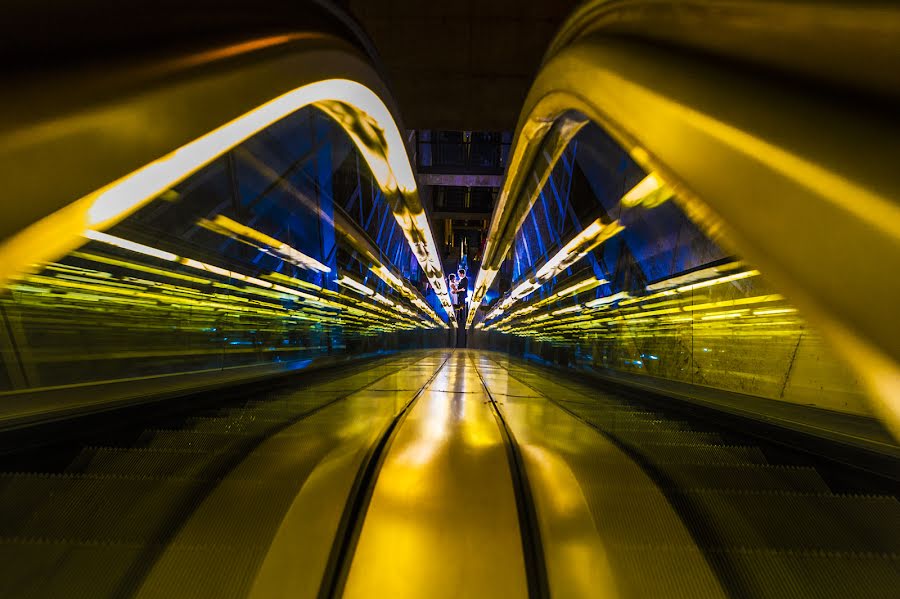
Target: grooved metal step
683,453
91,570
768,531
759,573
791,520
659,435
174,463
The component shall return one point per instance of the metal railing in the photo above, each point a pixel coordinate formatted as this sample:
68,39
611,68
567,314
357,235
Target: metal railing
482,157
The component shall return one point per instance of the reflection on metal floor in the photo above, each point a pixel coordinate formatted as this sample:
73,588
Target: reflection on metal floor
439,474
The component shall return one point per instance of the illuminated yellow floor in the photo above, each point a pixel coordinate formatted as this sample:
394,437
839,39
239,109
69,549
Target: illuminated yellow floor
442,521
625,502
569,466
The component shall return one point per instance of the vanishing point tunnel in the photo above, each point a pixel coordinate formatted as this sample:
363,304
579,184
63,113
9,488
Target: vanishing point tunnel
449,299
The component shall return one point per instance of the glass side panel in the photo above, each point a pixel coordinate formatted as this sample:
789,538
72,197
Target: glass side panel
269,255
608,273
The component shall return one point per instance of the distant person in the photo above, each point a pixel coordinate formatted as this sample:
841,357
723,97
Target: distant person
454,293
462,286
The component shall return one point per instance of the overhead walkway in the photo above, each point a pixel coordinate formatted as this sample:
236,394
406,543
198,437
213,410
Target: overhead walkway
436,474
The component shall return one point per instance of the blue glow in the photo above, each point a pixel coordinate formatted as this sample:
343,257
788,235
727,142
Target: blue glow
299,364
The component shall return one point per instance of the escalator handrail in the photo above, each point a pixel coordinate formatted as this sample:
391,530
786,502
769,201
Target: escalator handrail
67,132
817,161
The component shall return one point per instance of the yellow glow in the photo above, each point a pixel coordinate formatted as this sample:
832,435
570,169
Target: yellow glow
757,299
380,298
774,311
191,263
58,233
570,250
130,245
293,255
255,281
582,286
523,290
286,290
355,285
138,267
277,276
602,301
649,193
725,315
697,275
388,277
482,283
115,201
652,312
679,319
577,248
719,281
645,298
575,308
223,272
398,285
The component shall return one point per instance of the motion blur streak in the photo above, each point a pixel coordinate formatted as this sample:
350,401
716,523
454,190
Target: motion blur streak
107,206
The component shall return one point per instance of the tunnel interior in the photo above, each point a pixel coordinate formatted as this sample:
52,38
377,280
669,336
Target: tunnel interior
233,363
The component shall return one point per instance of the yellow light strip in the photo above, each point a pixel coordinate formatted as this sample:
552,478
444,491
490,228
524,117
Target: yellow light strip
115,201
585,285
138,267
756,299
191,263
576,249
293,255
277,276
725,315
650,192
774,311
602,301
719,281
575,308
130,245
354,285
59,233
380,298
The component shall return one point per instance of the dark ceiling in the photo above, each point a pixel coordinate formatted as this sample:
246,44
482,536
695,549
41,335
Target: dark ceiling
461,64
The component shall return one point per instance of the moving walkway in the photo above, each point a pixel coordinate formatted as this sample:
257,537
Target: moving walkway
436,473
216,319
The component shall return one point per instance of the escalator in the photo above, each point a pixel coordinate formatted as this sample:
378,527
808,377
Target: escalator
191,508
437,474
762,528
224,321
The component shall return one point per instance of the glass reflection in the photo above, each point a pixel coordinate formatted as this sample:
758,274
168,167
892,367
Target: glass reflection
283,250
608,273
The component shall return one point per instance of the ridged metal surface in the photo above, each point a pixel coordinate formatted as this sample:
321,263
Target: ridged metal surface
245,501
763,530
135,520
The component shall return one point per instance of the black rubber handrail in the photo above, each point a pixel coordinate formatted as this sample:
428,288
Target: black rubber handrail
529,527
